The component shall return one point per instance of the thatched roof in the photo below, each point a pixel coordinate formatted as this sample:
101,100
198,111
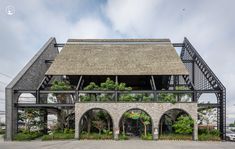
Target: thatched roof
117,57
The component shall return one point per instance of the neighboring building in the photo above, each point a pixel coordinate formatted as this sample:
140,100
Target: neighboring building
151,67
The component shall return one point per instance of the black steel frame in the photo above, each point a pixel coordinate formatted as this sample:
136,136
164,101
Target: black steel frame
204,79
200,80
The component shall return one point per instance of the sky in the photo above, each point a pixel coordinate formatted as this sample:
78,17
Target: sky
208,24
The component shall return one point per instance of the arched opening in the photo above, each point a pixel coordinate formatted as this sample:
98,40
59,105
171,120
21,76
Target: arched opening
207,98
96,124
134,124
26,98
176,124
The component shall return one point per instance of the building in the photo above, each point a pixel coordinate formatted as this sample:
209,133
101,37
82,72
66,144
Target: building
151,67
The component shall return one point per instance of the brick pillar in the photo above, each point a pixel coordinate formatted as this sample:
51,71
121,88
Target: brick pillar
195,131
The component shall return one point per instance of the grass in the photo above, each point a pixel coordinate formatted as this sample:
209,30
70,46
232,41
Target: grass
22,136
175,137
58,136
95,136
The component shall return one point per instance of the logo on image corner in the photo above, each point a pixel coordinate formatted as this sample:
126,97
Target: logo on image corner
10,10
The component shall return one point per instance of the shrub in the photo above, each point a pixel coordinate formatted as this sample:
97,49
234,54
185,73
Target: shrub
66,130
2,131
208,135
167,97
58,136
183,125
147,137
95,136
175,137
123,137
23,136
71,131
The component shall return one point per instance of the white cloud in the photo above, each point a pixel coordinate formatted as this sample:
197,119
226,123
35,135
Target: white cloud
208,24
132,17
210,28
90,27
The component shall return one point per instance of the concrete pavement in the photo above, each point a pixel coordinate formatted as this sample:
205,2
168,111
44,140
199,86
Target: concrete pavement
111,144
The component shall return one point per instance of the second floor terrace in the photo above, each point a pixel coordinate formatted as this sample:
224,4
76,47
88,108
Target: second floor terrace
116,70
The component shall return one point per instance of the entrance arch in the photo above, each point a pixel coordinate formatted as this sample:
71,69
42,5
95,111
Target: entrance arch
135,123
168,120
96,121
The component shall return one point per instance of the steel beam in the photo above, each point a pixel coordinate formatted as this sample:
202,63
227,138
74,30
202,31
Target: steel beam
59,45
178,44
47,105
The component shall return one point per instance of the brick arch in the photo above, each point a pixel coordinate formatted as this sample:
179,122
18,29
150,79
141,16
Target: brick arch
173,109
81,110
120,117
93,108
116,110
187,110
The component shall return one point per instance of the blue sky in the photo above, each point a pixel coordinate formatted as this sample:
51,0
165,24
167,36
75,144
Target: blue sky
208,24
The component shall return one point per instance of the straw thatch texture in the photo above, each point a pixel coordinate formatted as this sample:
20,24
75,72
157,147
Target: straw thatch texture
80,57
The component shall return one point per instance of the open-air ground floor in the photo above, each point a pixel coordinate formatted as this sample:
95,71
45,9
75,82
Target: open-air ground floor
112,144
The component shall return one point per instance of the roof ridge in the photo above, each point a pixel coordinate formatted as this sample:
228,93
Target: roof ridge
121,40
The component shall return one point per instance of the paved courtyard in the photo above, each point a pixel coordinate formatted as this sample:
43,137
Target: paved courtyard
131,144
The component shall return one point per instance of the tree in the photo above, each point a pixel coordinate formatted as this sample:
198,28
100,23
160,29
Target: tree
107,85
183,125
99,124
142,116
105,116
207,116
30,117
145,119
61,98
232,124
60,86
124,118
